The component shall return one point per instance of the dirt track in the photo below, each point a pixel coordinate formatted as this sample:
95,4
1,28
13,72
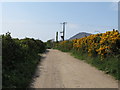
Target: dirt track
60,70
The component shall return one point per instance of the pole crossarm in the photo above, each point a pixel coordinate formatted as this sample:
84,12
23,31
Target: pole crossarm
64,23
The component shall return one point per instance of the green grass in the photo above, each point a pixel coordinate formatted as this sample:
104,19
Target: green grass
110,65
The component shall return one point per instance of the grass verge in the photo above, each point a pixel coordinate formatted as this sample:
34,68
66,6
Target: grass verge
109,65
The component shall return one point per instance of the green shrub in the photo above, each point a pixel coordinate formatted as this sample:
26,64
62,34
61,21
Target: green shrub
19,60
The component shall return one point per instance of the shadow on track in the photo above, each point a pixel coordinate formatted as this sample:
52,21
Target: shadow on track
37,71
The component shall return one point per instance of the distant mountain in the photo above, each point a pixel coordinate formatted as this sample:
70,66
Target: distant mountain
80,35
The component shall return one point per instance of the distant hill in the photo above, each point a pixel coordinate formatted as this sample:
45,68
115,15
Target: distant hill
80,35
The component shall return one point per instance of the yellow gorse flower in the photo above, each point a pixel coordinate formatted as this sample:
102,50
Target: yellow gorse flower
101,44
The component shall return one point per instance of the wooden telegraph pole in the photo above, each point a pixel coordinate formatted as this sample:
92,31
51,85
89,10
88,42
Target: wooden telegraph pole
63,37
56,36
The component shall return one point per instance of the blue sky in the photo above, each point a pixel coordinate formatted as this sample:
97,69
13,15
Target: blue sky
42,19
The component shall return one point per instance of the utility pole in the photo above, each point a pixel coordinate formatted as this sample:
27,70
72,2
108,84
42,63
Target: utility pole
63,37
56,36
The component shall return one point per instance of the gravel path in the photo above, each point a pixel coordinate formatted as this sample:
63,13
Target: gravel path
61,70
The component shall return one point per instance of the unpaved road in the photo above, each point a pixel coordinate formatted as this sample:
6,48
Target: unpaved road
61,70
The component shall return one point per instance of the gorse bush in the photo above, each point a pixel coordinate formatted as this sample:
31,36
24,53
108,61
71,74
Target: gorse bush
99,44
19,60
102,50
64,45
49,44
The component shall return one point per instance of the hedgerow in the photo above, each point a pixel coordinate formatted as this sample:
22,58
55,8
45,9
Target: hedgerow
19,60
101,50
